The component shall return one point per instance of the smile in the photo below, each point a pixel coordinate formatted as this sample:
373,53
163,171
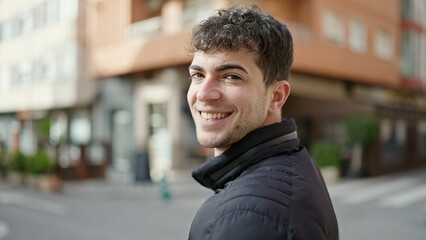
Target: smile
209,116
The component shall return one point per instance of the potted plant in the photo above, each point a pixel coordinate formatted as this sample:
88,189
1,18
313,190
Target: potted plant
41,169
17,165
4,157
327,155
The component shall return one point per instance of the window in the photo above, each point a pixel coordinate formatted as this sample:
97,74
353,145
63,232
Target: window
157,117
413,54
333,131
407,54
41,15
5,31
80,128
393,135
67,63
417,54
22,73
47,12
418,10
68,10
58,128
27,138
407,9
52,11
47,67
357,36
333,27
1,32
121,145
25,23
383,44
1,80
423,10
421,139
4,79
60,64
422,61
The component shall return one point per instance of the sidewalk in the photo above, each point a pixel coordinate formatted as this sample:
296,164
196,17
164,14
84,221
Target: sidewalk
181,188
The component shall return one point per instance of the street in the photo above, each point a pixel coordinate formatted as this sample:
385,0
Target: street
96,210
391,207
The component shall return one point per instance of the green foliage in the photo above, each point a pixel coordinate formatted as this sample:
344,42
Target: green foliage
326,154
4,158
44,126
40,163
361,129
18,162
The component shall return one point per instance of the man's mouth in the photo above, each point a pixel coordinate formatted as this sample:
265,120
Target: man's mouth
209,116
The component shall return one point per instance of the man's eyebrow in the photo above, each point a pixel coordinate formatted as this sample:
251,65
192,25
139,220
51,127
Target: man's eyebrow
220,68
195,67
230,66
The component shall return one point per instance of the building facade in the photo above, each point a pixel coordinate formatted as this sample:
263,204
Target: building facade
350,59
127,78
45,90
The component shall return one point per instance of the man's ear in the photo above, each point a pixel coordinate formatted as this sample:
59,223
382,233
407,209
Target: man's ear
280,92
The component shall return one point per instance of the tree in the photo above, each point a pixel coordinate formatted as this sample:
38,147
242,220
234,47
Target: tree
360,132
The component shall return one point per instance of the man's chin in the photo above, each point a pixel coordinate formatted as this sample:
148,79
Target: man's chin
217,140
208,144
211,142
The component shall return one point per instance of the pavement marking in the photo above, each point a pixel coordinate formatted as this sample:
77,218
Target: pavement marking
9,197
14,198
45,206
405,198
372,192
4,230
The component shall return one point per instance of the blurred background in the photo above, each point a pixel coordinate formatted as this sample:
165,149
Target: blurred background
93,92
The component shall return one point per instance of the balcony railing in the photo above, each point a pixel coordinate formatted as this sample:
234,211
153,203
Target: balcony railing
194,15
152,27
145,29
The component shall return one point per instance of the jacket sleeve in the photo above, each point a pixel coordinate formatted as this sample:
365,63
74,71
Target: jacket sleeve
248,225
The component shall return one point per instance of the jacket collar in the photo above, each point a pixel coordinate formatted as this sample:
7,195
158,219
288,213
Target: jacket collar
259,144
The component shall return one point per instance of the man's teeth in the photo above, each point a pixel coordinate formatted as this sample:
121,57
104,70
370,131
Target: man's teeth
209,116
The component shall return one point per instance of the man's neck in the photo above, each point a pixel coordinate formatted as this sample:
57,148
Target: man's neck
218,151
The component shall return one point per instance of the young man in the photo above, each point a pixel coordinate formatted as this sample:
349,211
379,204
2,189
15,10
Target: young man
266,185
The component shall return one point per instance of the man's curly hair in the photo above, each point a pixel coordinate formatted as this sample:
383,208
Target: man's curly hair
248,27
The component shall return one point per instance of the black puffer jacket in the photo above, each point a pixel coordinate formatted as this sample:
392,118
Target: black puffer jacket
266,187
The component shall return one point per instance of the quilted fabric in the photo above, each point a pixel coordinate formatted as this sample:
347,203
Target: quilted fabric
271,192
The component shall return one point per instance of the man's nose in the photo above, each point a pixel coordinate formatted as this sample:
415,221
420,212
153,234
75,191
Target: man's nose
208,90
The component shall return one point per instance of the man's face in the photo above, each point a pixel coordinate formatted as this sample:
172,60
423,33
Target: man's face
227,97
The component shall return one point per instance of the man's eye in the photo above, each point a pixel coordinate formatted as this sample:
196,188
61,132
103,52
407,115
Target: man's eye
196,75
233,77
